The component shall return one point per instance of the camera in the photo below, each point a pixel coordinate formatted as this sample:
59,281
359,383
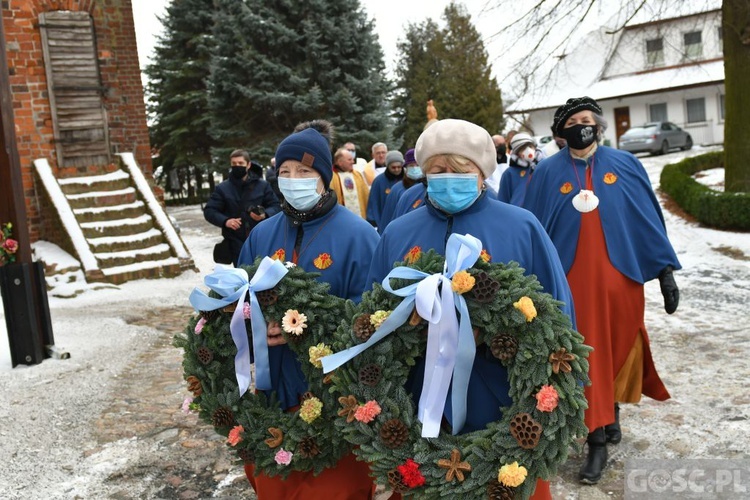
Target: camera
258,210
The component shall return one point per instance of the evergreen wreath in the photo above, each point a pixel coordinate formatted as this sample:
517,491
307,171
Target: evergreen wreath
256,427
525,330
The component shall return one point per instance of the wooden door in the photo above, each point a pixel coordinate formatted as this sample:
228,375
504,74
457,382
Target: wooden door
622,122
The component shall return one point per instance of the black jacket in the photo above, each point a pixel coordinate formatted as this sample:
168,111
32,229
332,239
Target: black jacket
234,198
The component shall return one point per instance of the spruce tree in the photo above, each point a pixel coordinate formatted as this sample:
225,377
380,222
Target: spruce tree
279,63
449,66
177,98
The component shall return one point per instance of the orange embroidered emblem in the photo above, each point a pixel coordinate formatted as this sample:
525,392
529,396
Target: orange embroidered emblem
388,191
610,178
280,255
485,256
416,204
323,261
566,188
413,254
523,173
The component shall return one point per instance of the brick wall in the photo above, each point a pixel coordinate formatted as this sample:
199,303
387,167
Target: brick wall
120,73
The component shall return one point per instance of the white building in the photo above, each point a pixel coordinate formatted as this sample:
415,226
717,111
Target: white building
668,69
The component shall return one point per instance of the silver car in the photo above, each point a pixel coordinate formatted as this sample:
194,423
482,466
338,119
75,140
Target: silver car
655,138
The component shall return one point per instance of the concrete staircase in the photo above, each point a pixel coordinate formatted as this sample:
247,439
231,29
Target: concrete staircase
114,224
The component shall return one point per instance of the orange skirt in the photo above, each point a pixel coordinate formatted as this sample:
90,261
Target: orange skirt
348,480
609,310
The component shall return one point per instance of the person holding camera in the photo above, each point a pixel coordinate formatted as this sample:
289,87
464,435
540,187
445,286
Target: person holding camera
238,204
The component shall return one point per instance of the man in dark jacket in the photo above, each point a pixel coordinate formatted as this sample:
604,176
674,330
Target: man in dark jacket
239,203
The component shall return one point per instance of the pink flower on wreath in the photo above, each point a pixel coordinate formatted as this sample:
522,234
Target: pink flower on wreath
546,398
246,310
235,435
367,412
199,326
283,457
10,245
186,404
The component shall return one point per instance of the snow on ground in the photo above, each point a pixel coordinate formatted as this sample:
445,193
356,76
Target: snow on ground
702,351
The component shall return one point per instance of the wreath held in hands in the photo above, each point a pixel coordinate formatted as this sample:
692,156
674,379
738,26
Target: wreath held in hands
523,329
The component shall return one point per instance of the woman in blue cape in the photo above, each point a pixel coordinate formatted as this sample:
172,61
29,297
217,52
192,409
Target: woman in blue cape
318,234
598,207
456,157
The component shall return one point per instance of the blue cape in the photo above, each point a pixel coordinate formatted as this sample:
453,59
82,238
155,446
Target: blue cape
631,217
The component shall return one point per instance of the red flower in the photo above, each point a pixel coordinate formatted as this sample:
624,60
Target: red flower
410,473
10,245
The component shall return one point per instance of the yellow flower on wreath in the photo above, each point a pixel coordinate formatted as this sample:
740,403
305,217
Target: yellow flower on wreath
462,282
317,352
526,306
310,409
512,475
377,318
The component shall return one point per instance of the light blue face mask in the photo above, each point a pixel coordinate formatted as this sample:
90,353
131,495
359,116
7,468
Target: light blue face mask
414,172
453,192
302,194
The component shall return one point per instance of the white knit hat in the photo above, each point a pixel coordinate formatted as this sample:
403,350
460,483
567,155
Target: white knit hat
519,140
458,137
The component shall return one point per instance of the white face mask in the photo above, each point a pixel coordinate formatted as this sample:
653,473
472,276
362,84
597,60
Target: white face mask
302,194
527,154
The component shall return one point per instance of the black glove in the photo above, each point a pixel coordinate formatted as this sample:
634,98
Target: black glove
669,290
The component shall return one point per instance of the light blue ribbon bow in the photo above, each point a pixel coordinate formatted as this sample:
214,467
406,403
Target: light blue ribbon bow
232,284
450,341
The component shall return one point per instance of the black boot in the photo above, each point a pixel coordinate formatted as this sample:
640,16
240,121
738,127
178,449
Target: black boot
613,431
596,460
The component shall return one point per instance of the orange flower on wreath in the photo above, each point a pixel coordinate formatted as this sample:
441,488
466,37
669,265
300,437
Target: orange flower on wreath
485,256
566,188
413,254
323,261
610,178
279,255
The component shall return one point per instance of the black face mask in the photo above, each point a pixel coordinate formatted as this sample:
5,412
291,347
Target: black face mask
501,154
579,136
238,172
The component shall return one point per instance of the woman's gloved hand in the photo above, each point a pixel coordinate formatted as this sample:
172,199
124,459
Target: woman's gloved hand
669,290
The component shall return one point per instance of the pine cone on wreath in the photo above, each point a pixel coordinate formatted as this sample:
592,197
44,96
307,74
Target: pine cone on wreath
498,491
204,355
194,386
394,433
504,347
370,374
247,455
485,288
363,329
396,480
308,448
222,417
267,297
210,315
526,430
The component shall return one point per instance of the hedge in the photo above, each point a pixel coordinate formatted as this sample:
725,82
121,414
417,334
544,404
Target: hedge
712,208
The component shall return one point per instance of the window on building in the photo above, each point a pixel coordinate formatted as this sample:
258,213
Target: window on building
696,110
657,112
655,51
75,88
721,107
693,44
720,35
